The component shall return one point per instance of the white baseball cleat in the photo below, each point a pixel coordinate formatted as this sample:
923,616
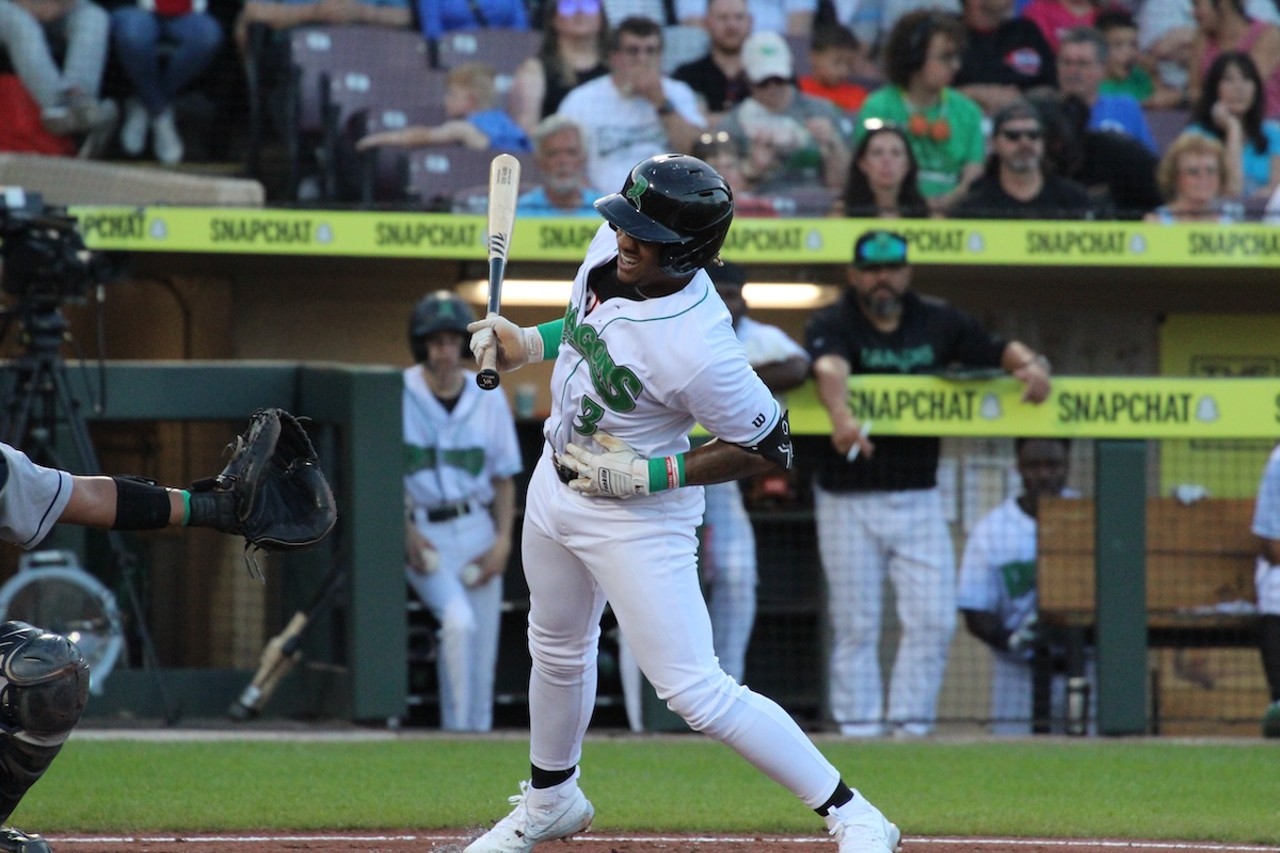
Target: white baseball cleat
536,819
860,828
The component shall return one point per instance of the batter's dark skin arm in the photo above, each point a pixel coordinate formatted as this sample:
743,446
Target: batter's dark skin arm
719,462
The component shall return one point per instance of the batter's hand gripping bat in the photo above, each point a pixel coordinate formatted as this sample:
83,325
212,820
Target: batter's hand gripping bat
284,650
504,185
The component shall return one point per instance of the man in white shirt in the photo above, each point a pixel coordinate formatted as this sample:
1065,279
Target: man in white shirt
633,112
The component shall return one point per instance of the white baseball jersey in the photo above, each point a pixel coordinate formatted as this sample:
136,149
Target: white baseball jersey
646,371
453,456
32,498
1266,523
998,570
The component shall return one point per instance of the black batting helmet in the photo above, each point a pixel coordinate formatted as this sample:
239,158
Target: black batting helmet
677,200
442,311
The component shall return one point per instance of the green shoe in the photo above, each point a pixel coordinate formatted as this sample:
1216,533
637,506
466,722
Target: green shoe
1271,720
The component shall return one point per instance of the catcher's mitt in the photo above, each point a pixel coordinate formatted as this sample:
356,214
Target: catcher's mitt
272,491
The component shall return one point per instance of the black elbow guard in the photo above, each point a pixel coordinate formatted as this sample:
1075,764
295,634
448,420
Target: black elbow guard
776,446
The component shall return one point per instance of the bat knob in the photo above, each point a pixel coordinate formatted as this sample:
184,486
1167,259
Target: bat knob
488,379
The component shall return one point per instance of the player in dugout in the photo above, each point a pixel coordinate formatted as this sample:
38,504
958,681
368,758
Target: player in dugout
645,350
44,680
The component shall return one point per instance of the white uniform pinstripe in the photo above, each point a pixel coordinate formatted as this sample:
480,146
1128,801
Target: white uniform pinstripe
31,499
453,457
644,371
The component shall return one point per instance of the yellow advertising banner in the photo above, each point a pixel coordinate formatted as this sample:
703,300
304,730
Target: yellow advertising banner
1078,407
776,241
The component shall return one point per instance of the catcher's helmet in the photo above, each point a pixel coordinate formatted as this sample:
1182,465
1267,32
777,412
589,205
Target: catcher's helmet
442,311
677,200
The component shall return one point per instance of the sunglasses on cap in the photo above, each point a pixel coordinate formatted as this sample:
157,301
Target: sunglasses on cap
568,8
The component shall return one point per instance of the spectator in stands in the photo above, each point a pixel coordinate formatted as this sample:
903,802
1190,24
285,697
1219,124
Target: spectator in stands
1004,56
793,140
1224,25
728,156
997,585
1082,66
1166,31
1230,109
440,16
834,57
1056,18
784,17
573,51
1125,74
1191,174
279,15
718,77
863,18
1118,171
561,157
471,119
66,93
1017,184
1266,527
884,178
879,513
634,112
921,58
193,37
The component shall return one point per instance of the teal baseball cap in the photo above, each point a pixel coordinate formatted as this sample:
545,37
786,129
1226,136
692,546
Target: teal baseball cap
880,248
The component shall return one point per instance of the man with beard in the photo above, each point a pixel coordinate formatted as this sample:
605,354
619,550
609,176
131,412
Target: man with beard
1016,184
878,509
561,156
718,77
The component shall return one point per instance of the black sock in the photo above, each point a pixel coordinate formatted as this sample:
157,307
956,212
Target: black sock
539,778
838,798
1269,644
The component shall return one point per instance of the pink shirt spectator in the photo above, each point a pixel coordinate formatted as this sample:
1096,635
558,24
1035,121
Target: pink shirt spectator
1255,31
1054,18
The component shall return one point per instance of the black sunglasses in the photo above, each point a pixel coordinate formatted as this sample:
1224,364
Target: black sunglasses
1016,135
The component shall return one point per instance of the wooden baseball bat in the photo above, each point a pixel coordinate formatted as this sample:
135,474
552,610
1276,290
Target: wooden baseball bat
284,650
504,186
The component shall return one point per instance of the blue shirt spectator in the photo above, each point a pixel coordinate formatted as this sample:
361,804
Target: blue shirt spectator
504,134
536,202
1122,114
441,16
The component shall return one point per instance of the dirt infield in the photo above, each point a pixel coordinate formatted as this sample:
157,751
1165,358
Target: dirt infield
444,842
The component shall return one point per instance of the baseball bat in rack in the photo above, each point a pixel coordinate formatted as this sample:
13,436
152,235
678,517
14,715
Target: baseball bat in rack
504,186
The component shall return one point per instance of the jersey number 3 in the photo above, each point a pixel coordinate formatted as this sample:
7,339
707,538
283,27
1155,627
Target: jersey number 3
590,415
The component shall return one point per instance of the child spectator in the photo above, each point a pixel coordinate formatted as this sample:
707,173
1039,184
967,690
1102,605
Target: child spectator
834,56
471,118
1125,74
138,31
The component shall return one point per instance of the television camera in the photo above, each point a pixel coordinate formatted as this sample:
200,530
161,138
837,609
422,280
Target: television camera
45,260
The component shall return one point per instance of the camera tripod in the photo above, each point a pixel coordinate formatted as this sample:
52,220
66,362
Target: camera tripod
37,399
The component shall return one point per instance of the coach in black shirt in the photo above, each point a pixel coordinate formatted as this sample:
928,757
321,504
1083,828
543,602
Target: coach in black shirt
879,513
1004,55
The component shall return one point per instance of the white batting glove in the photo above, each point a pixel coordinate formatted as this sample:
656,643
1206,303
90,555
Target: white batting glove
511,340
620,472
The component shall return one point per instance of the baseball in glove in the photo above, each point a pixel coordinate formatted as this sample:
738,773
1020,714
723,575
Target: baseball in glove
272,491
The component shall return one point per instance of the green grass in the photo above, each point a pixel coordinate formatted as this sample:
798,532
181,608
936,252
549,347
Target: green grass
1133,789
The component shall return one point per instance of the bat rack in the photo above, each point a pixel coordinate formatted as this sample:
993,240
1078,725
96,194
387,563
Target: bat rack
38,399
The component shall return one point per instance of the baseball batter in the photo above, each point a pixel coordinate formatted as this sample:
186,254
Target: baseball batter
997,586
645,349
1266,526
460,454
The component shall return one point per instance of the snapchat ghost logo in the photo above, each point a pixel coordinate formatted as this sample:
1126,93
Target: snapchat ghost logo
1207,410
813,240
975,243
990,408
158,230
324,233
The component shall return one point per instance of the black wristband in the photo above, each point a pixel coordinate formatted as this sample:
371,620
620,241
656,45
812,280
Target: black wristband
140,504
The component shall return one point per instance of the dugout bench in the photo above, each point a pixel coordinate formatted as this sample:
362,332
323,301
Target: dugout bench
1197,567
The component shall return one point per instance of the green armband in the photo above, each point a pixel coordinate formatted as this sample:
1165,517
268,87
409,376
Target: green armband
666,472
551,332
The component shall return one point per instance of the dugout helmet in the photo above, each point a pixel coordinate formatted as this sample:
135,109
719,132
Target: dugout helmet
442,311
677,200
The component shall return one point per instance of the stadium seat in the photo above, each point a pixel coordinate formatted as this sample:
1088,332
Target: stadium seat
379,175
449,177
501,48
799,54
681,44
1166,125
